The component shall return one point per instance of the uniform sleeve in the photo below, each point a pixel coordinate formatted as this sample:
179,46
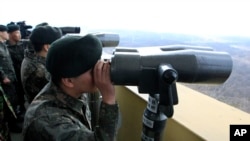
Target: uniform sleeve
3,59
2,74
108,121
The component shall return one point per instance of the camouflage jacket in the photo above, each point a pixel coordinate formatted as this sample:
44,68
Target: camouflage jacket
34,75
6,65
17,54
56,116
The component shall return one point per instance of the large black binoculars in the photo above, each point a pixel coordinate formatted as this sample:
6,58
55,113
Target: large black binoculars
194,64
140,65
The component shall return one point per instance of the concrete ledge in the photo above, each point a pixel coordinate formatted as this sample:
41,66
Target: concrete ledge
197,116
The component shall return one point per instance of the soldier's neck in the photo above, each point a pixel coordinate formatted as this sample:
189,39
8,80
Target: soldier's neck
12,42
42,53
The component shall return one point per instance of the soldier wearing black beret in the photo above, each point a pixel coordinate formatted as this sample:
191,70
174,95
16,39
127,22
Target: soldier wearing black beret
16,47
7,82
75,69
33,72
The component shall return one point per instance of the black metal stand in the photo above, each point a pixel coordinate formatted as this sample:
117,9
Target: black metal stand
160,105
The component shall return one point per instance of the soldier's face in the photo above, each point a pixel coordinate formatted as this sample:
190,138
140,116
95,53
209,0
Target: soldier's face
4,35
15,36
85,82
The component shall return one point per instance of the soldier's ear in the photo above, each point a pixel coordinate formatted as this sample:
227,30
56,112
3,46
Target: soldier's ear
46,47
68,82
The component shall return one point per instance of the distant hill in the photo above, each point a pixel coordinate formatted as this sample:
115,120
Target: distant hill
235,91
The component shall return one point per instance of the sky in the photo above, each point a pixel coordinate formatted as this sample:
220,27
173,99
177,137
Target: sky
205,17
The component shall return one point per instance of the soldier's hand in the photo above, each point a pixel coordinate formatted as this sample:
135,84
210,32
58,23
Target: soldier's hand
103,82
6,80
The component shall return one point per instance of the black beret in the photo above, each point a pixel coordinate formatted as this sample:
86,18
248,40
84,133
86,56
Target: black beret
3,28
13,27
42,24
45,35
73,55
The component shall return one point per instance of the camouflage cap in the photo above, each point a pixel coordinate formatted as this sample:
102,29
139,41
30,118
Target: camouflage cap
73,55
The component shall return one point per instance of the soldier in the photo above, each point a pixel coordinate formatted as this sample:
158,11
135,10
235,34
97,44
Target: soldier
58,113
8,79
4,129
34,76
16,48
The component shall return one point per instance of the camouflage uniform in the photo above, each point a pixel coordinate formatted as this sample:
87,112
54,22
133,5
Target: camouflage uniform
17,54
7,70
34,75
54,115
5,108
